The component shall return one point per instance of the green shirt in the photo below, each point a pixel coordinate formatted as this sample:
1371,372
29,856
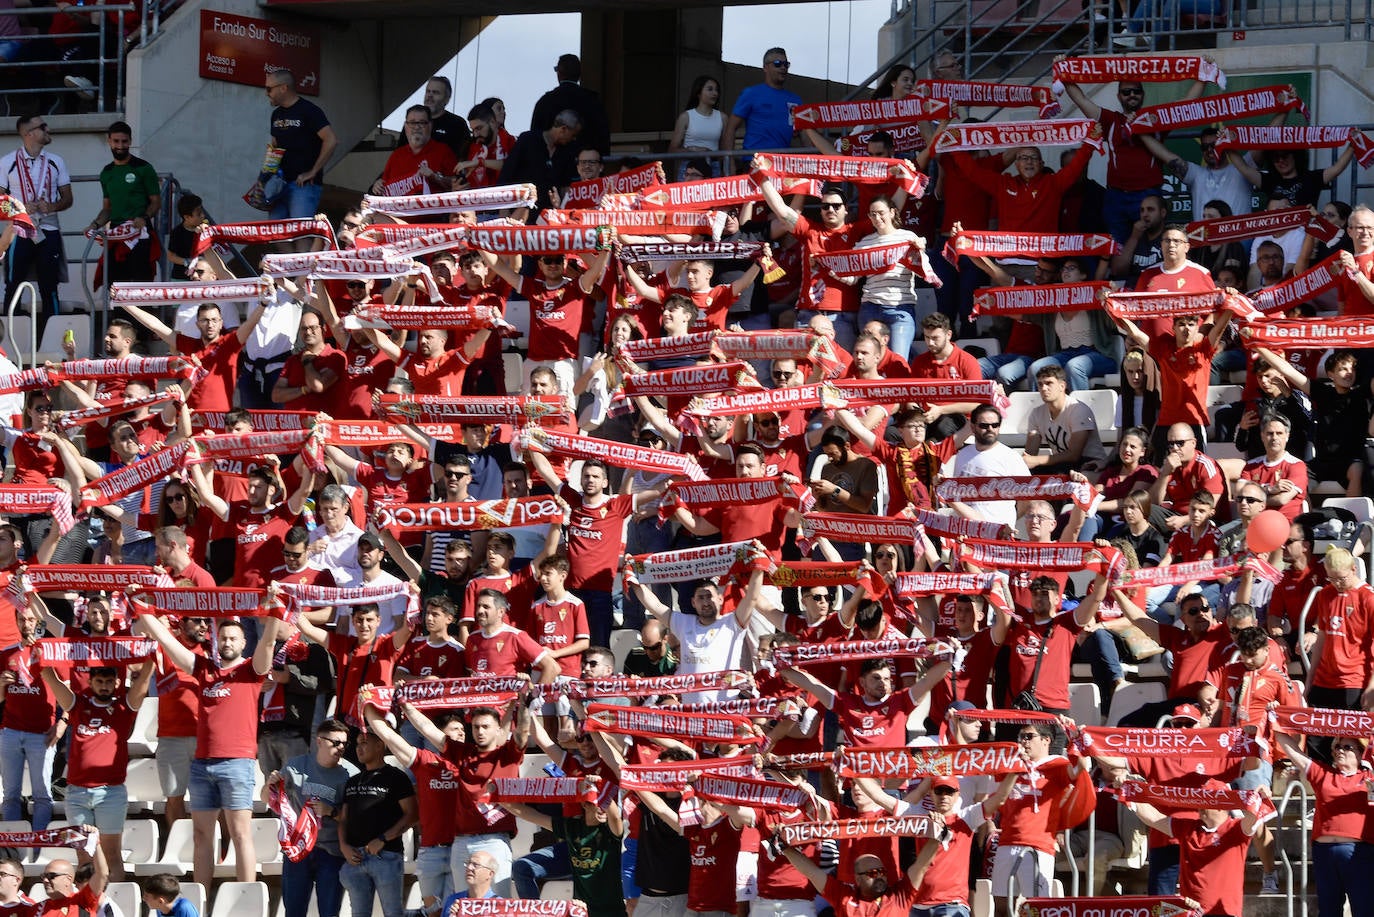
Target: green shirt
594,852
129,186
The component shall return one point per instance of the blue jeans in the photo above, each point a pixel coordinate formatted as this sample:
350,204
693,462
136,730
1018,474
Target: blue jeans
1340,869
433,873
382,874
320,871
17,750
221,783
1120,210
941,910
628,859
1080,365
1226,361
532,870
1158,15
1163,874
846,329
1099,650
299,202
901,320
1007,368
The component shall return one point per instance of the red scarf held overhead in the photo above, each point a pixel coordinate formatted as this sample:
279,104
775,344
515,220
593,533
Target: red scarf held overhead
587,194
263,231
514,907
84,578
1323,721
435,239
214,421
1229,106
1311,283
930,761
299,830
1297,138
856,528
909,110
1264,223
989,585
856,169
692,380
644,222
672,776
1001,135
800,834
684,564
12,211
713,193
1205,570
26,380
1032,487
1136,306
94,652
160,294
250,445
650,686
73,419
623,455
1029,299
221,602
956,527
420,318
1230,742
498,198
133,477
1070,557
761,252
1135,68
790,397
879,259
798,655
1314,333
781,344
864,393
807,573
686,727
747,791
379,234
1029,245
1197,797
74,838
488,409
1023,717
28,500
768,708
470,515
980,93
538,240
906,138
125,367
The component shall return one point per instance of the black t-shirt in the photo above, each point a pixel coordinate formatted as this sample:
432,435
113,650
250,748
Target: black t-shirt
453,132
296,130
1149,545
180,242
664,857
374,799
1341,421
1302,189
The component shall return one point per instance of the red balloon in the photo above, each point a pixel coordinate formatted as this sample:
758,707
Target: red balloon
1267,532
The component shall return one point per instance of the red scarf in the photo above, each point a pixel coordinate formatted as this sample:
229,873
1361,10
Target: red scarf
12,211
1231,742
872,111
298,830
94,652
802,833
1323,721
27,500
750,792
545,789
863,393
389,234
419,318
862,170
787,398
648,722
182,601
26,380
857,528
1297,138
713,193
1264,223
1311,283
501,197
651,686
260,420
1195,798
263,231
782,344
74,838
471,408
767,708
133,477
692,380
989,585
1000,95
1229,106
1029,245
957,527
1070,557
1026,299
589,193
250,445
761,252
1171,305
879,259
450,693
798,655
538,240
1001,135
1034,487
906,138
623,455
1116,906
514,907
470,515
161,294
1206,570
72,419
684,564
672,776
85,578
1135,68
124,367
1312,333
937,761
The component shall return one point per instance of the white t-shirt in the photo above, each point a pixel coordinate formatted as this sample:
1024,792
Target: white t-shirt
1056,432
1000,461
713,647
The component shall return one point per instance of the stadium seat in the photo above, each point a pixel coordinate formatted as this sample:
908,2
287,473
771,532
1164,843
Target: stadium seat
141,840
17,340
1132,697
241,899
50,347
557,890
1013,432
1102,402
194,892
533,766
1085,703
1224,394
265,848
143,740
127,896
622,642
176,854
990,347
145,790
41,857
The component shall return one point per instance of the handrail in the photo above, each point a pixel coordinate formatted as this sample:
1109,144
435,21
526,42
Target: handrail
1288,793
35,311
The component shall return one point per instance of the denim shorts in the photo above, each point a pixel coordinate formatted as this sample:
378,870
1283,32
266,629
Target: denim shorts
221,783
102,806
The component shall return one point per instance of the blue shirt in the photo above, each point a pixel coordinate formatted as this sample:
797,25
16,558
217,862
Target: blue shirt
767,113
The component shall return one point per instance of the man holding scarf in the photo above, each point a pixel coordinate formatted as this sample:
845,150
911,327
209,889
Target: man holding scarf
132,195
40,181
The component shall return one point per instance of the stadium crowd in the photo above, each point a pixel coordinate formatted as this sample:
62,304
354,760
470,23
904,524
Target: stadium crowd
361,573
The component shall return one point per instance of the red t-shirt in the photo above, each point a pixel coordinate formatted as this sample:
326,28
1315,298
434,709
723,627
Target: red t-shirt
29,703
1185,547
331,359
555,625
366,370
1202,473
946,880
401,174
1287,468
1243,696
100,741
555,318
475,770
844,898
971,681
1052,688
1290,595
1025,816
227,726
355,666
1342,804
221,360
1130,164
779,880
83,902
1212,865
517,587
438,375
1188,279
422,659
437,786
596,539
35,461
178,699
713,305
509,651
1184,376
960,364
881,724
258,540
763,520
819,291
1193,658
713,849
1343,620
414,487
1352,301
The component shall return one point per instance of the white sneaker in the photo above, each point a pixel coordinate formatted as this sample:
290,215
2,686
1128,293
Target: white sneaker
1270,884
84,87
1126,40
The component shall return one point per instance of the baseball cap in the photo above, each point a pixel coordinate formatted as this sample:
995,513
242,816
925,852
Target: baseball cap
370,538
1187,712
962,705
948,783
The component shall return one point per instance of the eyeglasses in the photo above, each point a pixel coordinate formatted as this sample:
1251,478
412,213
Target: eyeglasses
1244,499
269,89
11,875
945,791
1130,92
781,64
351,224
1354,748
54,876
334,743
478,865
654,647
1028,736
1291,541
872,873
38,127
782,375
828,205
356,283
818,596
1179,443
1039,517
294,555
989,426
43,408
200,273
551,260
176,496
1196,610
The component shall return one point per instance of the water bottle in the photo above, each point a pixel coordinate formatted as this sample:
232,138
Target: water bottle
308,514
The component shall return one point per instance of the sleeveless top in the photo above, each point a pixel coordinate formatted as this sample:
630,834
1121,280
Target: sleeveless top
703,132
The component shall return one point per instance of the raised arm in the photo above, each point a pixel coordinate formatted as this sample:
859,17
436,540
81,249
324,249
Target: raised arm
807,867
176,652
398,746
267,646
811,685
1333,171
153,324
61,691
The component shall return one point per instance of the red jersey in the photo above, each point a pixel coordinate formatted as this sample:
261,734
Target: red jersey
1186,546
1184,375
1342,804
1193,658
1190,278
946,880
1290,595
422,659
903,477
868,723
258,540
479,176
1026,205
1352,301
713,849
1343,619
355,666
366,371
713,305
178,700
764,520
517,587
475,770
401,174
221,360
819,290
331,359
80,904
1130,164
509,651
960,364
34,461
107,391
784,456
971,682
1212,865
227,726
779,880
555,318
437,786
844,898
1202,473
557,625
100,741
1024,638
596,539
1025,816
413,487
438,375
1285,468
29,705
1243,696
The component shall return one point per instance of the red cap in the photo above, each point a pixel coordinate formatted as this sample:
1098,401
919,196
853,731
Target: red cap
946,782
1188,712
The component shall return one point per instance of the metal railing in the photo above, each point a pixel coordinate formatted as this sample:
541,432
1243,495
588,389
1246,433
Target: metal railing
88,64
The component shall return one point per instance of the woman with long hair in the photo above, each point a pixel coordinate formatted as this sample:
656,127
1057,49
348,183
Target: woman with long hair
897,83
701,127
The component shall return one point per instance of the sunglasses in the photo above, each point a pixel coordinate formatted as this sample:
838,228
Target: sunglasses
550,260
334,743
1245,499
176,496
826,205
356,283
457,475
1196,610
294,555
988,426
781,64
945,791
872,873
1178,443
819,597
781,375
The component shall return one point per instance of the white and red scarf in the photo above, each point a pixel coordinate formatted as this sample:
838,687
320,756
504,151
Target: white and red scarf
990,585
418,318
1297,138
1135,68
789,397
74,838
798,655
1202,570
451,693
1323,721
1311,283
215,422
650,686
586,194
1001,135
644,222
1031,299
1069,557
714,193
858,113
906,138
1015,487
1263,223
133,477
85,577
999,95
799,834
933,761
501,197
262,231
250,445
298,830
879,259
1029,245
956,527
1228,106
328,596
1136,306
161,294
857,169
514,907
1314,333
672,776
622,455
125,367
471,408
538,240
470,515
26,380
29,499
693,728
1143,742
389,234
863,393
707,379
684,564
857,528
73,419
12,211
748,791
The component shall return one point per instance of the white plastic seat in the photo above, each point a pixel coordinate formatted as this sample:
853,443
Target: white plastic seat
145,789
266,850
1013,431
241,899
1085,703
194,892
34,865
177,854
533,765
1102,402
50,347
143,740
1131,697
140,841
127,896
622,642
